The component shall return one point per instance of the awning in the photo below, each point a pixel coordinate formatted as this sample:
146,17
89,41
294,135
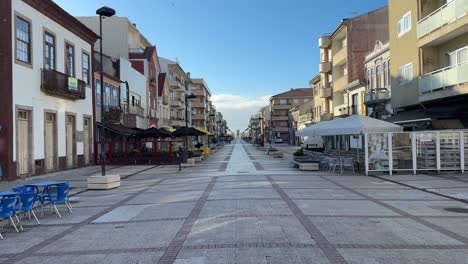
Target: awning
152,133
119,129
447,124
413,116
352,125
184,131
206,132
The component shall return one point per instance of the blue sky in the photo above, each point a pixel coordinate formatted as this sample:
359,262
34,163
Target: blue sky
246,50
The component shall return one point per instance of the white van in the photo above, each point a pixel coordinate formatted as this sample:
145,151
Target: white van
313,143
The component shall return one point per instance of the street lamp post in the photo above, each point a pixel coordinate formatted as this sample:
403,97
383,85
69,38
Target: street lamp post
185,153
102,12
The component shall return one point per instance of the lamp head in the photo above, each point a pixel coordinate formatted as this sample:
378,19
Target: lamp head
105,11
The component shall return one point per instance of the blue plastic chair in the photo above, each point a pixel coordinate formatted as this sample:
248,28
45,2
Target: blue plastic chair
27,200
8,210
57,194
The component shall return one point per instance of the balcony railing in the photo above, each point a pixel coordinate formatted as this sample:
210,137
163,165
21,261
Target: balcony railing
443,78
442,16
61,85
112,113
376,95
134,110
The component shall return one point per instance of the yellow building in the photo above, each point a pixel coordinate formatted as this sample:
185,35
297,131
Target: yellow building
430,74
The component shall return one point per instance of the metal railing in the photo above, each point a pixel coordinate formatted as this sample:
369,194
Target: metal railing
62,85
376,95
134,110
444,15
443,78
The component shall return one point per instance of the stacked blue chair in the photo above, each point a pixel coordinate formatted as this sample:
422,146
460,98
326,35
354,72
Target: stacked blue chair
8,210
58,194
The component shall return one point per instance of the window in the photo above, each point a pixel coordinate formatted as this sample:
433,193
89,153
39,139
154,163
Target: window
385,74
354,106
379,78
283,101
368,81
388,74
296,101
372,78
404,24
405,74
85,69
457,57
69,60
49,51
23,40
98,93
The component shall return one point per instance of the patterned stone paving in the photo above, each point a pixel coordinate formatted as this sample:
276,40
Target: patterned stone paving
241,206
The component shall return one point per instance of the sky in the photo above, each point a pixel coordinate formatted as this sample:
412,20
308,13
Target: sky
246,50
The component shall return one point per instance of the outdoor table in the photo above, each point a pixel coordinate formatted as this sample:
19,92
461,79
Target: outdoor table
8,194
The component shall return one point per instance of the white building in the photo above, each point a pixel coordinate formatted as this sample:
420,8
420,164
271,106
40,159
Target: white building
122,39
46,112
378,81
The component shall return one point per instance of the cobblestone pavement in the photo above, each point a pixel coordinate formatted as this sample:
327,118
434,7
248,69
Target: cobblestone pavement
242,206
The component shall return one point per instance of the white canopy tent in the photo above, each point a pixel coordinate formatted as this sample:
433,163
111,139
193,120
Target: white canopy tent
352,125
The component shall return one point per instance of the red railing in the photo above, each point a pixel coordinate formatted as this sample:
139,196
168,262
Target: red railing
139,152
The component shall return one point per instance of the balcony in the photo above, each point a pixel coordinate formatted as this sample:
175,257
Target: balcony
445,23
281,107
446,82
199,117
375,96
177,122
199,93
325,92
134,110
324,42
112,114
198,105
340,83
326,116
177,103
280,118
280,129
165,99
340,56
61,85
341,110
174,84
325,67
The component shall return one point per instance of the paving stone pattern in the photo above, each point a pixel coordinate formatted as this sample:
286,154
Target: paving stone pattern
243,206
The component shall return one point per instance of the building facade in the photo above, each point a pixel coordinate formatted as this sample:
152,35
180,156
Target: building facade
123,40
301,117
46,114
349,46
201,104
378,82
429,76
280,105
179,84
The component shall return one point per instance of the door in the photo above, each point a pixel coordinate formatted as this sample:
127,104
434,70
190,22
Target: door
23,142
50,142
70,140
86,140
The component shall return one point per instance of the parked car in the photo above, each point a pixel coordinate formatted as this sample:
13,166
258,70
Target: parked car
313,143
278,140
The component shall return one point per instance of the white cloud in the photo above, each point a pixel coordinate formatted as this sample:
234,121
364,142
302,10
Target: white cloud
231,101
238,109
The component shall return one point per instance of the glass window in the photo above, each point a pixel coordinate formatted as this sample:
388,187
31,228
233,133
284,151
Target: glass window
85,69
23,40
385,74
379,73
459,56
405,74
49,51
69,60
98,93
404,24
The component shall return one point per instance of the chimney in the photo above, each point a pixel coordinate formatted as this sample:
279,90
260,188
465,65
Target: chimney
134,24
188,74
